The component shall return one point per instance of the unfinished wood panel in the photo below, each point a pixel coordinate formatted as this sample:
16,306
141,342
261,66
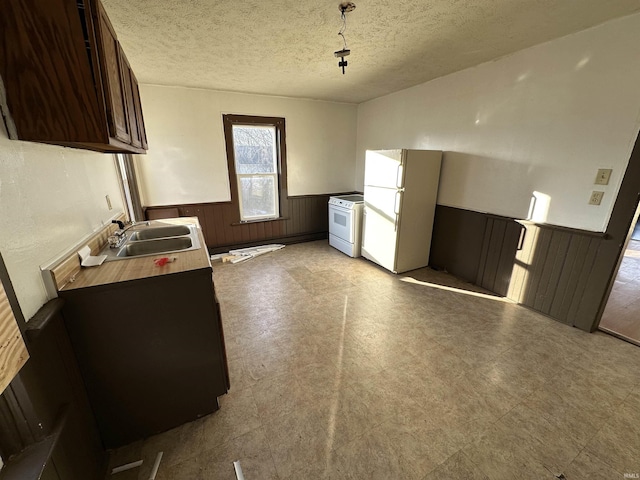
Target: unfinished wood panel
13,351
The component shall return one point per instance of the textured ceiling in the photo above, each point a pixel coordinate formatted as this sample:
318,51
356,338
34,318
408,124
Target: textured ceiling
285,47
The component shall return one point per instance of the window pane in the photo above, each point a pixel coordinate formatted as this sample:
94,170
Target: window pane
258,196
255,149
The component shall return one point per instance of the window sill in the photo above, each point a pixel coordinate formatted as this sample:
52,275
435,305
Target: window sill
262,220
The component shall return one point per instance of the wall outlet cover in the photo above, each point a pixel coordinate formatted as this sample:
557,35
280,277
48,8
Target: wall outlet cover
596,198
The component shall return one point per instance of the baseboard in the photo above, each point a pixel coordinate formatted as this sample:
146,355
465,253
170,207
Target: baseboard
309,237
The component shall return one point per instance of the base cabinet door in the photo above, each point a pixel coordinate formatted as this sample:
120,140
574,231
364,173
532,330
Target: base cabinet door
150,351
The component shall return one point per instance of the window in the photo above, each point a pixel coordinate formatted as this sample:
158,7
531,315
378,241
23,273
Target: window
129,186
257,168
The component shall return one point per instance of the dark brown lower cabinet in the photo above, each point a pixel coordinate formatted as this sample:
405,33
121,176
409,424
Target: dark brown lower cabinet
47,428
151,352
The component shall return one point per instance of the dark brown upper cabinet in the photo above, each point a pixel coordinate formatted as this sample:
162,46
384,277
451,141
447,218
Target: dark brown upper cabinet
65,78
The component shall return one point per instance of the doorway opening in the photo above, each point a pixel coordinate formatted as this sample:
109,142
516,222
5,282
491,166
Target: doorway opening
621,316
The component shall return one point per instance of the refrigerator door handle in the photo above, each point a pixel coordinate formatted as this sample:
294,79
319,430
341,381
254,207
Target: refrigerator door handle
396,208
399,175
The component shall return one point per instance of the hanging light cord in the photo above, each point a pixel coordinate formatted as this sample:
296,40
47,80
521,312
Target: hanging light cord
343,29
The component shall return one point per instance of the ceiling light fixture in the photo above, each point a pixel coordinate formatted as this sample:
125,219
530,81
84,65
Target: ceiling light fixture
344,7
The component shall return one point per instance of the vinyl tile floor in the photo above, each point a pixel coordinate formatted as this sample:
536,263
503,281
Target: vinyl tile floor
342,370
622,313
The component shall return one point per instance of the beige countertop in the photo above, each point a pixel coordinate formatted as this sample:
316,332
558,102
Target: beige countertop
144,267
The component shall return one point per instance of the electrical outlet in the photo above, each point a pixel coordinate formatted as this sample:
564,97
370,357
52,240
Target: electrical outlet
108,202
596,198
604,174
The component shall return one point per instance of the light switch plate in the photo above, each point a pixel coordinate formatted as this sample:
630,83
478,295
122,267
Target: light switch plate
596,198
604,174
109,206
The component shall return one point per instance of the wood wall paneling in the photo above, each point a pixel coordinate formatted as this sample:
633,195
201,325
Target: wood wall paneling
543,267
499,246
457,241
307,219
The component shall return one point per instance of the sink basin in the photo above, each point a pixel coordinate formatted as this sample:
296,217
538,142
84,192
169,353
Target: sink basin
152,247
160,232
155,240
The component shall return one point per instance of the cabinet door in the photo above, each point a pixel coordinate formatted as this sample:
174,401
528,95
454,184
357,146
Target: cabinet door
132,116
138,107
112,78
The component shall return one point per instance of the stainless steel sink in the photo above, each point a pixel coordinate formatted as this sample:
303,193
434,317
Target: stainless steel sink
155,240
159,232
151,247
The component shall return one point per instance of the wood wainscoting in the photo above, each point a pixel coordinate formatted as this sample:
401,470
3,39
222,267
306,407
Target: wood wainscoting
304,218
543,267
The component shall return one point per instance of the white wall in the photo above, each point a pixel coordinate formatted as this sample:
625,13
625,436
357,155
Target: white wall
50,198
543,119
187,163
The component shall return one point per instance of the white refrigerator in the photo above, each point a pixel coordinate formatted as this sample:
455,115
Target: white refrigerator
400,191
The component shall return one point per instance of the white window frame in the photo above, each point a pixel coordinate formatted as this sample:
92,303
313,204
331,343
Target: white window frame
274,175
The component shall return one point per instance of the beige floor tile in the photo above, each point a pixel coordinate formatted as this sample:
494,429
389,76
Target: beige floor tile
177,445
589,467
297,440
341,370
457,467
238,414
250,449
278,396
617,444
344,415
521,446
191,469
393,451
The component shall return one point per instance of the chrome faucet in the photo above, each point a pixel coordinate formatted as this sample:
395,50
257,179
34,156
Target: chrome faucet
120,236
